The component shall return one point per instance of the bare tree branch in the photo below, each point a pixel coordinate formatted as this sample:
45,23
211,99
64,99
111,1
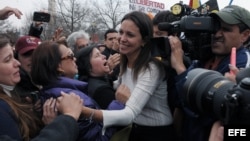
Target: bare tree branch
110,13
72,14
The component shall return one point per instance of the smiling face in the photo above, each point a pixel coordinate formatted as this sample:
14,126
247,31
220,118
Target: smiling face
98,61
9,67
226,37
67,66
130,39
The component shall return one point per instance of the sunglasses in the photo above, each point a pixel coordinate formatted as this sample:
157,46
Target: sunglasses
70,56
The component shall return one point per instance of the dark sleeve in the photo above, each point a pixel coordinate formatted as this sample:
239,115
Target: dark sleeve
104,96
172,91
35,31
63,128
180,81
6,138
8,123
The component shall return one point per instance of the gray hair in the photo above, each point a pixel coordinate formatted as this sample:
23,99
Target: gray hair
71,40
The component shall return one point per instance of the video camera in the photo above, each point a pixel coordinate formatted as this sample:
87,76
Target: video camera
197,28
209,92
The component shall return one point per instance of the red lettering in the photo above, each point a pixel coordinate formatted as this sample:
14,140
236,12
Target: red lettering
149,3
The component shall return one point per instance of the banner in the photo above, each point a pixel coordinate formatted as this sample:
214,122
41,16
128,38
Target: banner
146,6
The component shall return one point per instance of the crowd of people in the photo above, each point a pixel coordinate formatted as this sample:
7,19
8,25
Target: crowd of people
69,89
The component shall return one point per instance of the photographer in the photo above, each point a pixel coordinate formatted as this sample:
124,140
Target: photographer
233,32
168,17
163,16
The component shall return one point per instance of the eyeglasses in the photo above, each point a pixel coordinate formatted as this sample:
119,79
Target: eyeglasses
70,56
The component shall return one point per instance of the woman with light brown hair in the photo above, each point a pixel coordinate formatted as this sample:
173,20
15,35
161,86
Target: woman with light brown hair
17,120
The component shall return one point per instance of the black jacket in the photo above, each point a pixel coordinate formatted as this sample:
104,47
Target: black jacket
101,90
63,128
26,88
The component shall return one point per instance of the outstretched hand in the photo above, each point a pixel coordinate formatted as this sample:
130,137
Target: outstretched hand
8,11
58,35
114,60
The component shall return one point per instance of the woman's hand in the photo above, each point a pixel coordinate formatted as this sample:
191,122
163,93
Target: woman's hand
122,93
70,104
49,111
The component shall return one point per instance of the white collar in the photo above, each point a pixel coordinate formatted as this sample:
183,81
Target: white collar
7,89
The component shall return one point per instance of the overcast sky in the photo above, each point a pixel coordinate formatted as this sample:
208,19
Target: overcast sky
28,6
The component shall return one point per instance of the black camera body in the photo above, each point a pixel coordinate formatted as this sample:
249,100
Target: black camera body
191,23
209,92
197,29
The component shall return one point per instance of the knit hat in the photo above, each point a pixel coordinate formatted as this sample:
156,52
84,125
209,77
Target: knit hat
234,14
26,43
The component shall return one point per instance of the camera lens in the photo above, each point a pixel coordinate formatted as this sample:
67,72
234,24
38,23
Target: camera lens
205,91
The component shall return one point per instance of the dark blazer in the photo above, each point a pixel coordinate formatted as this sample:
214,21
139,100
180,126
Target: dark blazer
8,122
64,128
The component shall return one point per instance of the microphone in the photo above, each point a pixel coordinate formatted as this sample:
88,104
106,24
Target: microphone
242,74
165,26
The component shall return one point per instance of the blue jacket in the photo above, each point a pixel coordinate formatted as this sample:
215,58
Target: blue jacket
9,122
197,127
88,130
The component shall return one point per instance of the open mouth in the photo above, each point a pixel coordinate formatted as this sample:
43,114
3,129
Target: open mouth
106,63
17,73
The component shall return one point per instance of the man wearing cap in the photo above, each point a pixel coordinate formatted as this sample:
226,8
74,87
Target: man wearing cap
24,48
233,31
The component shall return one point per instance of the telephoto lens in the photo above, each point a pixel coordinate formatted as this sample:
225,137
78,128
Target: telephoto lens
209,92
